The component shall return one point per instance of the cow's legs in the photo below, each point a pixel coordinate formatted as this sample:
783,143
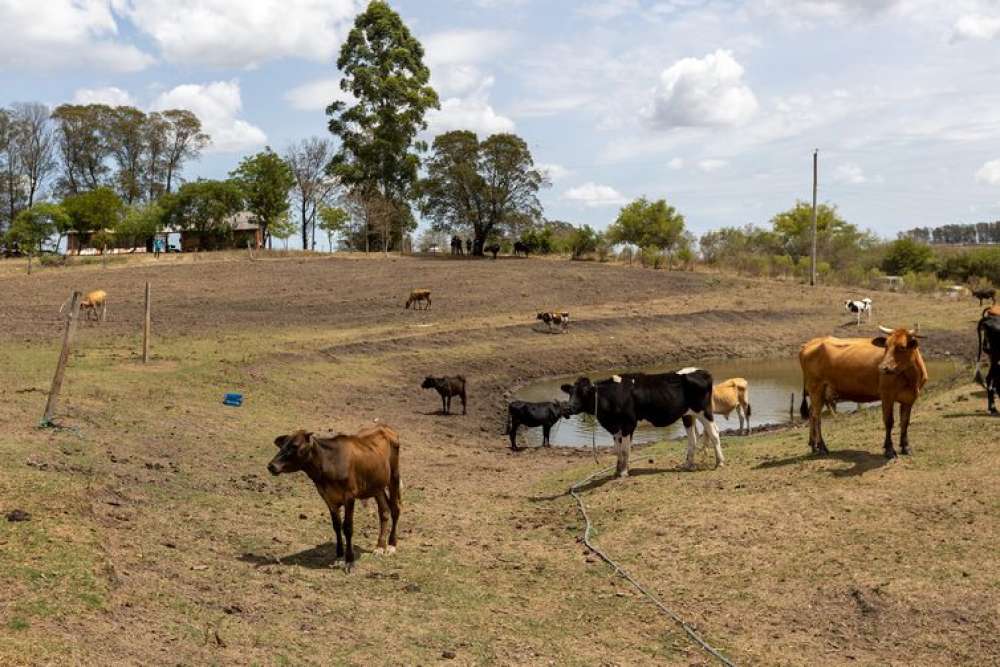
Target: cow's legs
712,430
618,454
744,423
626,454
464,402
335,520
816,423
546,428
383,521
514,424
887,419
904,427
991,385
445,400
688,421
394,513
349,533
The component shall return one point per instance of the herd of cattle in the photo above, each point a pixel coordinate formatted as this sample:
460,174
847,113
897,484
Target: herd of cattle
888,368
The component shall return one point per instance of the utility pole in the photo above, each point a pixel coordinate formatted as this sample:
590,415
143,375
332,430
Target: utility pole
812,275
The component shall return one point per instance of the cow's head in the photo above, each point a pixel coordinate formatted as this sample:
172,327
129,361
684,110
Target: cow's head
542,316
429,383
581,396
900,350
294,450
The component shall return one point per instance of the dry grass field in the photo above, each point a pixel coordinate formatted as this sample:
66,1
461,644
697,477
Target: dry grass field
158,537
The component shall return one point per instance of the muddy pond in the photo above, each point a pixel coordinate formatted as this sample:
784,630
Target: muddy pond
772,383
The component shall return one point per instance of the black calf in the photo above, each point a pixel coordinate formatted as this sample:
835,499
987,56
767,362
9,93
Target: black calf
534,415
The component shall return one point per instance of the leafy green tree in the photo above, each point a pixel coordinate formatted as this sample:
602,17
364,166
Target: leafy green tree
794,227
140,223
183,142
584,241
265,180
383,69
332,221
126,137
34,226
648,224
204,207
483,187
905,255
83,148
283,228
94,210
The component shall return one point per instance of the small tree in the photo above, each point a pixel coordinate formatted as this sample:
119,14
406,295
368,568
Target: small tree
283,228
203,207
906,255
584,241
332,221
647,225
34,226
94,211
265,180
139,224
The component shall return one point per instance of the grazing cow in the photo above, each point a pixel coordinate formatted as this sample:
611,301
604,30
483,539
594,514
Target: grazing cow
419,296
560,320
447,387
985,293
731,395
345,468
860,308
888,368
533,415
621,401
493,249
95,304
988,334
521,248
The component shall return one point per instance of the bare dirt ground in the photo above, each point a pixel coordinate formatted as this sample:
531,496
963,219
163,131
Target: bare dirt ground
157,536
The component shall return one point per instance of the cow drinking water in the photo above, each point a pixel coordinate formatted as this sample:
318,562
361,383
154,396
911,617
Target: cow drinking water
345,468
621,401
544,414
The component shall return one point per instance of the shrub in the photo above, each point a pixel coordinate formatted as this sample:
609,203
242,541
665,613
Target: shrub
651,257
907,256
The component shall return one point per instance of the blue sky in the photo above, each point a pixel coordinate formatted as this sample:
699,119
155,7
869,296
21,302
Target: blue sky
714,105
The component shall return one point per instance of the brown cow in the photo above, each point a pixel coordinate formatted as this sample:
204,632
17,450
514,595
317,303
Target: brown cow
888,368
731,395
345,468
418,295
94,303
447,386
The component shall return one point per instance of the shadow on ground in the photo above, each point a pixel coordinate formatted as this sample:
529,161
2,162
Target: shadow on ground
861,461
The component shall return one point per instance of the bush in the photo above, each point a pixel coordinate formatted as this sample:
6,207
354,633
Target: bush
627,254
907,256
583,241
651,257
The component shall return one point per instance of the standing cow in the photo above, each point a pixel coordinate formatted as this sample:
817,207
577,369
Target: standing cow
988,334
345,468
862,308
621,401
984,294
888,368
544,414
447,387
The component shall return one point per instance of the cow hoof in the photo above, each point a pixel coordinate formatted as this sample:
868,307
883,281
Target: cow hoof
348,567
390,550
890,454
720,464
379,551
905,451
688,467
623,474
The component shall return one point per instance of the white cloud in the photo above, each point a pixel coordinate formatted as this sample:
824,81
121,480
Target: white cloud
602,10
54,34
217,104
237,33
676,163
592,195
808,12
554,172
453,80
110,95
849,173
711,165
989,173
705,91
472,112
317,95
976,26
454,47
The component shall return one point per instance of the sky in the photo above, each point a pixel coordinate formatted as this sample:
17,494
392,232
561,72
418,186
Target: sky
714,105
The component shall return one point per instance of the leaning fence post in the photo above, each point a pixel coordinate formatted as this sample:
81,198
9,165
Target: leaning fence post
145,328
50,405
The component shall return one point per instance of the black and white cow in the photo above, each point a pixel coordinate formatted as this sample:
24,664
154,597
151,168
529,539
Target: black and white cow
533,415
621,401
988,332
860,308
560,320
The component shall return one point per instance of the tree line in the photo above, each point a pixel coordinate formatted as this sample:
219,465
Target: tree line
980,233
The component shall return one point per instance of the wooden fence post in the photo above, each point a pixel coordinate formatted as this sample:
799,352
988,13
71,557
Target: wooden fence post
50,405
146,328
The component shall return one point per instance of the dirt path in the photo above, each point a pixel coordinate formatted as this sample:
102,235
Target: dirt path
178,547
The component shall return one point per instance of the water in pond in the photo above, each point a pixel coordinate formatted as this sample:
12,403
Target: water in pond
771,381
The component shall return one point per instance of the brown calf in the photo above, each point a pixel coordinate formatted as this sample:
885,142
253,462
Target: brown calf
417,296
447,387
345,468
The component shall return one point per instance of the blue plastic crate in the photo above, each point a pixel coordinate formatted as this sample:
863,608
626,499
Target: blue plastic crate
235,400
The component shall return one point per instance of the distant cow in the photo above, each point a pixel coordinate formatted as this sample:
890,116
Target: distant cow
621,401
551,320
456,245
988,333
419,296
860,308
94,303
447,387
493,249
345,468
731,395
533,415
985,293
521,248
888,368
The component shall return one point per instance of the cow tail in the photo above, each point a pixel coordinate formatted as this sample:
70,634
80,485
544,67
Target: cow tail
804,406
395,487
